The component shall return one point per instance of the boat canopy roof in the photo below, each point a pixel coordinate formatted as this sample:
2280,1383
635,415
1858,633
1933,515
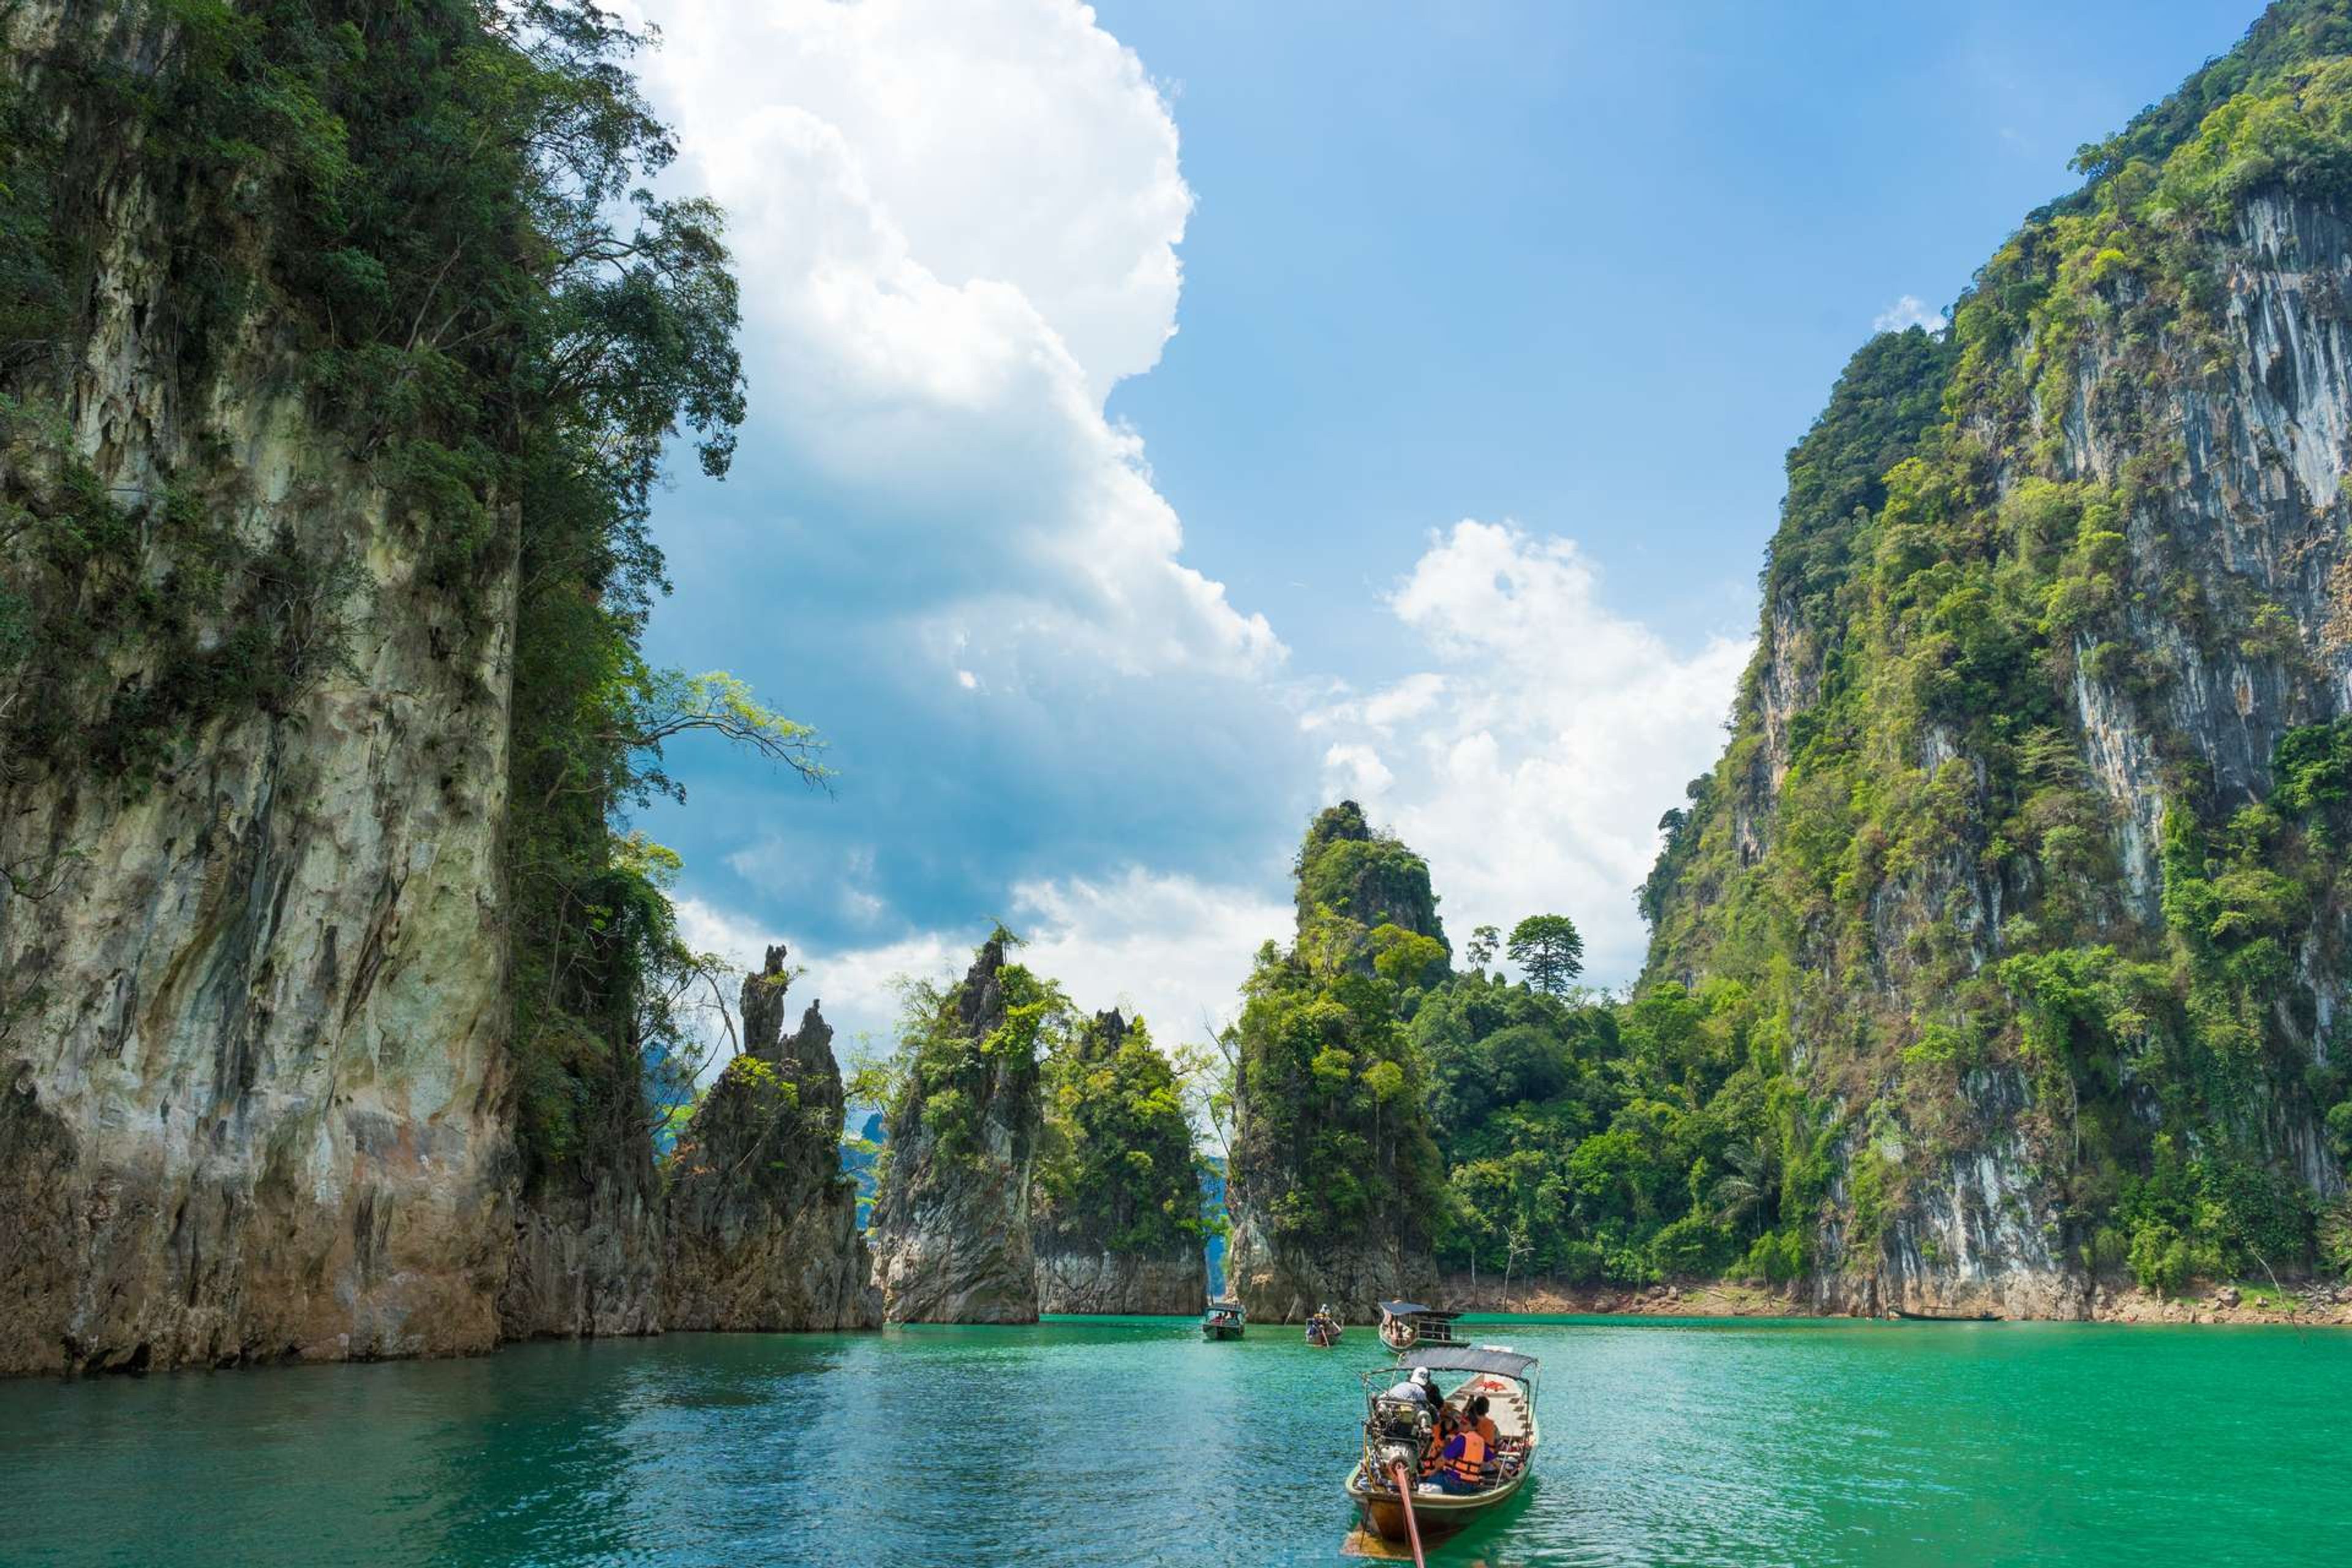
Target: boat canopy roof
1471,1358
1415,1310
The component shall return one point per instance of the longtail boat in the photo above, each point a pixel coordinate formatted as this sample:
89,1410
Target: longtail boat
1404,1324
1223,1320
1397,1433
1323,1331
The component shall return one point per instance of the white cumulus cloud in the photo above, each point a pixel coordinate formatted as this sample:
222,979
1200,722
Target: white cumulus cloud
1906,313
956,225
1161,945
1531,766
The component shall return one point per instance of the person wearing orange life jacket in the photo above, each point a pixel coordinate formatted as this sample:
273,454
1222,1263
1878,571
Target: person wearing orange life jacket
1462,1464
1432,1459
1482,1422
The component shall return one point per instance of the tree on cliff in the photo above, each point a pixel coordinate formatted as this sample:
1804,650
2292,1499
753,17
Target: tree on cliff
1331,1152
951,1222
1115,1168
1549,951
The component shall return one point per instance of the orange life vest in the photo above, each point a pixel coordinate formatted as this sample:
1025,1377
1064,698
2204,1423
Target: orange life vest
1486,1429
1472,1465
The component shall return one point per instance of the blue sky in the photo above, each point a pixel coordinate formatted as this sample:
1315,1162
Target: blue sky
1169,416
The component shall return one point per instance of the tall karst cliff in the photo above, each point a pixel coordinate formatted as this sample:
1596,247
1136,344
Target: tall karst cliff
252,1006
762,1225
951,1225
2024,869
1118,1200
330,404
1335,1184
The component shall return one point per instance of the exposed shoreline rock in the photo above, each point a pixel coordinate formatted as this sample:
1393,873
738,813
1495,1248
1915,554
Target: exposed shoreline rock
1286,1285
2306,1304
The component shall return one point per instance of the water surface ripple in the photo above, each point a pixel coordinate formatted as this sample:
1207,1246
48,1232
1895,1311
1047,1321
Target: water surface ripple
1132,1441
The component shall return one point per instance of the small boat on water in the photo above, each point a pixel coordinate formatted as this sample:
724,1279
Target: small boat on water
1404,1324
1397,1433
1223,1320
1948,1317
1323,1331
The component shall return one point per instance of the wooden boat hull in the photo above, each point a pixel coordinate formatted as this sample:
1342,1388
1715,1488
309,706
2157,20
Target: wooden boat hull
1220,1331
1437,1513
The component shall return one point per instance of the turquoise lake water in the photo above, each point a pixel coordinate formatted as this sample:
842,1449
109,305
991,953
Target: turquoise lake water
1132,1441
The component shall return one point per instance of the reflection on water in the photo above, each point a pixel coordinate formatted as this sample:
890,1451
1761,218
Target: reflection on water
1134,1441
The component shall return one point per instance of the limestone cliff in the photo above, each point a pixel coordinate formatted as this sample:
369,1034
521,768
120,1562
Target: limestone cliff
329,989
762,1226
1118,1201
1335,1183
2028,839
951,1225
252,1007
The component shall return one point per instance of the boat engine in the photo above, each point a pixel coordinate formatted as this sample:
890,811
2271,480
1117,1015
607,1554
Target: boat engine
1396,1433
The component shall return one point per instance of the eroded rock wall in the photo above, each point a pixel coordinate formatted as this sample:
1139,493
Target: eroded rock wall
951,1227
762,1226
251,1010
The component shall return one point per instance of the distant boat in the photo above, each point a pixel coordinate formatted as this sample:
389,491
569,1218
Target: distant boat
1223,1320
1323,1331
1397,1433
1948,1317
1404,1324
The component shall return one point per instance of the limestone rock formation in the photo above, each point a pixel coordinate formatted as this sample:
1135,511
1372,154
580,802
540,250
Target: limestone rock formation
2027,839
762,1226
951,1227
251,1001
1365,876
1283,1282
586,1253
1118,1203
1334,1181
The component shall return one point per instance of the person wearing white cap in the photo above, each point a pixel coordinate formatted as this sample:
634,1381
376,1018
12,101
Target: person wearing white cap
1417,1388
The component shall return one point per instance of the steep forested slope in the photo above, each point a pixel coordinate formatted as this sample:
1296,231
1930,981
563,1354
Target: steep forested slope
2022,876
1118,1193
1334,1184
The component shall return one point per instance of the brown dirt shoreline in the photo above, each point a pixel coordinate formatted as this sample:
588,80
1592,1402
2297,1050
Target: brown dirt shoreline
2309,1303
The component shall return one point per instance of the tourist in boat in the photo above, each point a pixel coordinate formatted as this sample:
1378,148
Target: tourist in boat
1440,1432
1482,1422
1418,1388
1461,1463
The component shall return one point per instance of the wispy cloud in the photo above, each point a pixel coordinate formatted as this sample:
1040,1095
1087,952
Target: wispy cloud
1906,313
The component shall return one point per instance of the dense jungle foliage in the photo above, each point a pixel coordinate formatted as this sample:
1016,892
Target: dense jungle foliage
439,211
1330,1135
969,1055
1115,1170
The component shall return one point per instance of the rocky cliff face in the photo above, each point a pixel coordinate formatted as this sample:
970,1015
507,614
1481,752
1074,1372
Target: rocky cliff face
586,1253
1117,1201
251,1003
2029,826
1284,1282
762,1226
951,1227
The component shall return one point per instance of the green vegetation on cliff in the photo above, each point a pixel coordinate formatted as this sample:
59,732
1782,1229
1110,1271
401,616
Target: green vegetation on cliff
1903,885
1115,1167
1331,1142
440,214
